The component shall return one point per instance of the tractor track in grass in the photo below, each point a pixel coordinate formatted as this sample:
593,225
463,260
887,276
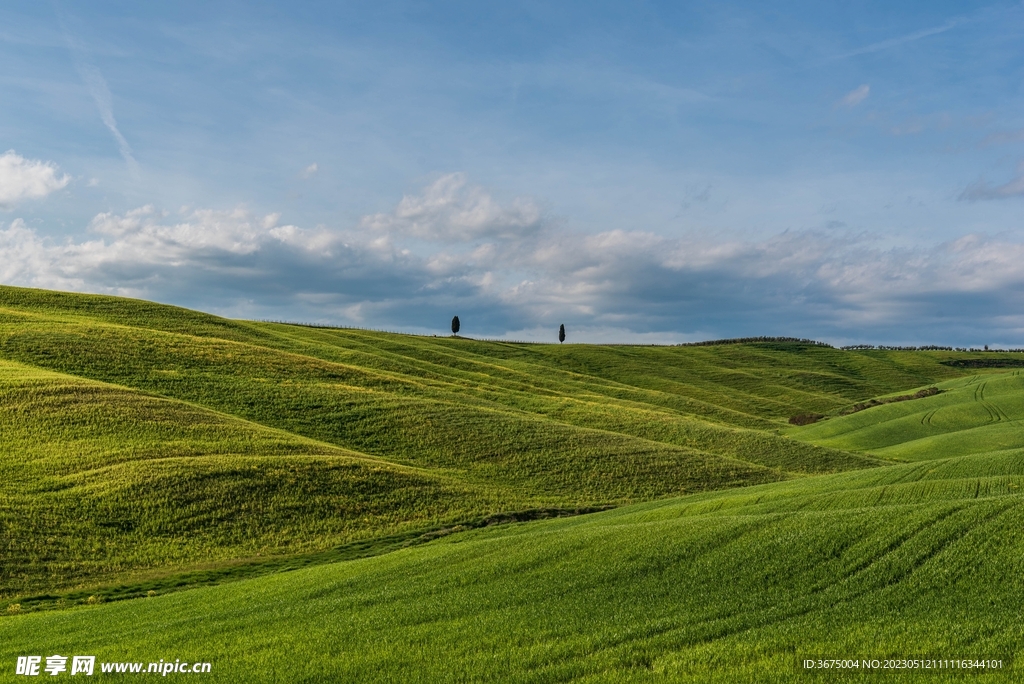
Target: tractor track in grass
1002,414
739,622
926,525
995,414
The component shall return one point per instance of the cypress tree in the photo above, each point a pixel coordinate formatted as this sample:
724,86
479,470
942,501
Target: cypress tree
455,326
561,333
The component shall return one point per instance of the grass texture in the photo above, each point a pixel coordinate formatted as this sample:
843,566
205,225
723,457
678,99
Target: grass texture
973,415
909,560
139,440
350,482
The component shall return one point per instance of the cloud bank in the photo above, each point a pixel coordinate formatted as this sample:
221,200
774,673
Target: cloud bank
507,268
22,179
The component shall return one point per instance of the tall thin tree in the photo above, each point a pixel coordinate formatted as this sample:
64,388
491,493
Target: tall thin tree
455,326
561,333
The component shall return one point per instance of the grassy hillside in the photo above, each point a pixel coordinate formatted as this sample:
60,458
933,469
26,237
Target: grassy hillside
146,447
99,481
909,560
181,438
972,415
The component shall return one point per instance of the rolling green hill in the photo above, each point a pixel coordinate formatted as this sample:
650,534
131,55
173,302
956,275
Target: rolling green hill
972,415
183,440
904,561
146,448
99,481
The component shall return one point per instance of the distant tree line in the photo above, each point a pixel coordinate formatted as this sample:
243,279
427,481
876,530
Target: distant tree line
884,347
749,340
930,347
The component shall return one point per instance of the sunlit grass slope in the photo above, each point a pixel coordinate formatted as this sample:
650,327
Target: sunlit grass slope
376,392
908,560
141,438
99,482
977,414
423,402
140,442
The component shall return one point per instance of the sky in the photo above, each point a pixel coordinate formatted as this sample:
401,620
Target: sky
646,172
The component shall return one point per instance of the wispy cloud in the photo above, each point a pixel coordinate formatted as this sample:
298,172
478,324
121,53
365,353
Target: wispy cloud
22,178
100,92
101,95
310,170
1002,138
901,40
855,96
983,190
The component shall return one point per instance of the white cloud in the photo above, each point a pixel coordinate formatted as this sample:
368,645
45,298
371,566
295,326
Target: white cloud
147,236
856,96
144,238
24,255
450,210
502,268
22,178
310,170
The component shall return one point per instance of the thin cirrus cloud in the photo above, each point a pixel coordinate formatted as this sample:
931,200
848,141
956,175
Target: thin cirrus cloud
22,179
1002,138
507,266
100,92
902,40
855,96
98,89
983,190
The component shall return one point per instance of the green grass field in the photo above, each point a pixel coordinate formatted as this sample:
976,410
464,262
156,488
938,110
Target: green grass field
973,415
727,586
294,478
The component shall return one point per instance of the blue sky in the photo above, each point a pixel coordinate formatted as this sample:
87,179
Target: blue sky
642,172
